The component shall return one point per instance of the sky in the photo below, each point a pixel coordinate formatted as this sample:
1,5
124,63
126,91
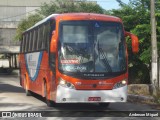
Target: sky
109,4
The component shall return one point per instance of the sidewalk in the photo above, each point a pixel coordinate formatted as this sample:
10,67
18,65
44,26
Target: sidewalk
140,98
141,93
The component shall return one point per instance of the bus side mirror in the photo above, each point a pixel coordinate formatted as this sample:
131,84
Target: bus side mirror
135,42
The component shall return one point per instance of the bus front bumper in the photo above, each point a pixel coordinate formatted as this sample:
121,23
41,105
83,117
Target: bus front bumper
67,95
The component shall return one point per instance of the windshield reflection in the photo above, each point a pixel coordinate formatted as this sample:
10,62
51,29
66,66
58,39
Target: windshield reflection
89,47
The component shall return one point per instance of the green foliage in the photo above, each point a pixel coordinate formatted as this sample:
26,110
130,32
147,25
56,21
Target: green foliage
56,6
146,55
25,24
136,19
68,6
90,8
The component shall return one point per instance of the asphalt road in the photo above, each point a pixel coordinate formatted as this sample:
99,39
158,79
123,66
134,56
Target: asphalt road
13,98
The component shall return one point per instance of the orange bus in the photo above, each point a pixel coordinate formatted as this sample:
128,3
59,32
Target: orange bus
76,58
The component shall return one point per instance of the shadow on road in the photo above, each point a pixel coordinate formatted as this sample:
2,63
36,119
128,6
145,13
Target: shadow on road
1,98
10,88
13,104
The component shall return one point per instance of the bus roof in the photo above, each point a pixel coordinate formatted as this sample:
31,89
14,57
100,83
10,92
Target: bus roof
72,15
90,15
46,19
42,21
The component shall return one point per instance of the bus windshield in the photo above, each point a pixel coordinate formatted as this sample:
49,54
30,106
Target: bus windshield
91,47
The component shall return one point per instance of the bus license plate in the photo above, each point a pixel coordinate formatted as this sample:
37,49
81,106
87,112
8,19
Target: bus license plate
94,99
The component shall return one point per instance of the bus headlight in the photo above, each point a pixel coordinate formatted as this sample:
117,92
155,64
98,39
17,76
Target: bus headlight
120,84
66,84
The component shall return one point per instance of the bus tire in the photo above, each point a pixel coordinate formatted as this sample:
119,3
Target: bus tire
104,105
28,93
48,102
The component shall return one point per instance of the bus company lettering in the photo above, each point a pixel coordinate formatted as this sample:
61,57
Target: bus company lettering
72,61
94,75
72,68
104,83
31,62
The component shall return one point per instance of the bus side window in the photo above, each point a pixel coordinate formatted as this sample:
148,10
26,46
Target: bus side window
27,42
31,41
34,34
21,47
47,35
24,42
51,28
35,39
52,56
43,38
38,32
40,38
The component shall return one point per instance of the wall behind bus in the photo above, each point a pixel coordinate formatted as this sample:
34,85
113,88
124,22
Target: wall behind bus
12,12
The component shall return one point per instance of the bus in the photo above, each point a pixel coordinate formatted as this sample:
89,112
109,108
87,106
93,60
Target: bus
76,58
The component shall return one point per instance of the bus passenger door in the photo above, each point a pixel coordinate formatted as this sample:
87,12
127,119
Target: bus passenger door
52,62
52,65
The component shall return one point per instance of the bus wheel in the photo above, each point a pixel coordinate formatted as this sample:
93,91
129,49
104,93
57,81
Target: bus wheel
105,105
28,93
48,102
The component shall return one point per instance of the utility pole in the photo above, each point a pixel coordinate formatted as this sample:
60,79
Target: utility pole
154,69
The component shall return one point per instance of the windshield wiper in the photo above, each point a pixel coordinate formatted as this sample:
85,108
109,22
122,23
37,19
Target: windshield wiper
105,60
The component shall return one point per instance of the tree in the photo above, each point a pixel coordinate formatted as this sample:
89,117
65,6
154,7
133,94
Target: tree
69,6
26,23
56,6
136,18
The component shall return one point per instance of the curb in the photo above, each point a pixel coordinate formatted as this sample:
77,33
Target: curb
138,98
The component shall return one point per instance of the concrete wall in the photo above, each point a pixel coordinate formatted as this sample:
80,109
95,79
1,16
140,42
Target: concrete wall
11,13
23,2
7,36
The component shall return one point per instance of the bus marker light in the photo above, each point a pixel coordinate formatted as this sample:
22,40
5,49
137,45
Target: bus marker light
62,82
124,82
